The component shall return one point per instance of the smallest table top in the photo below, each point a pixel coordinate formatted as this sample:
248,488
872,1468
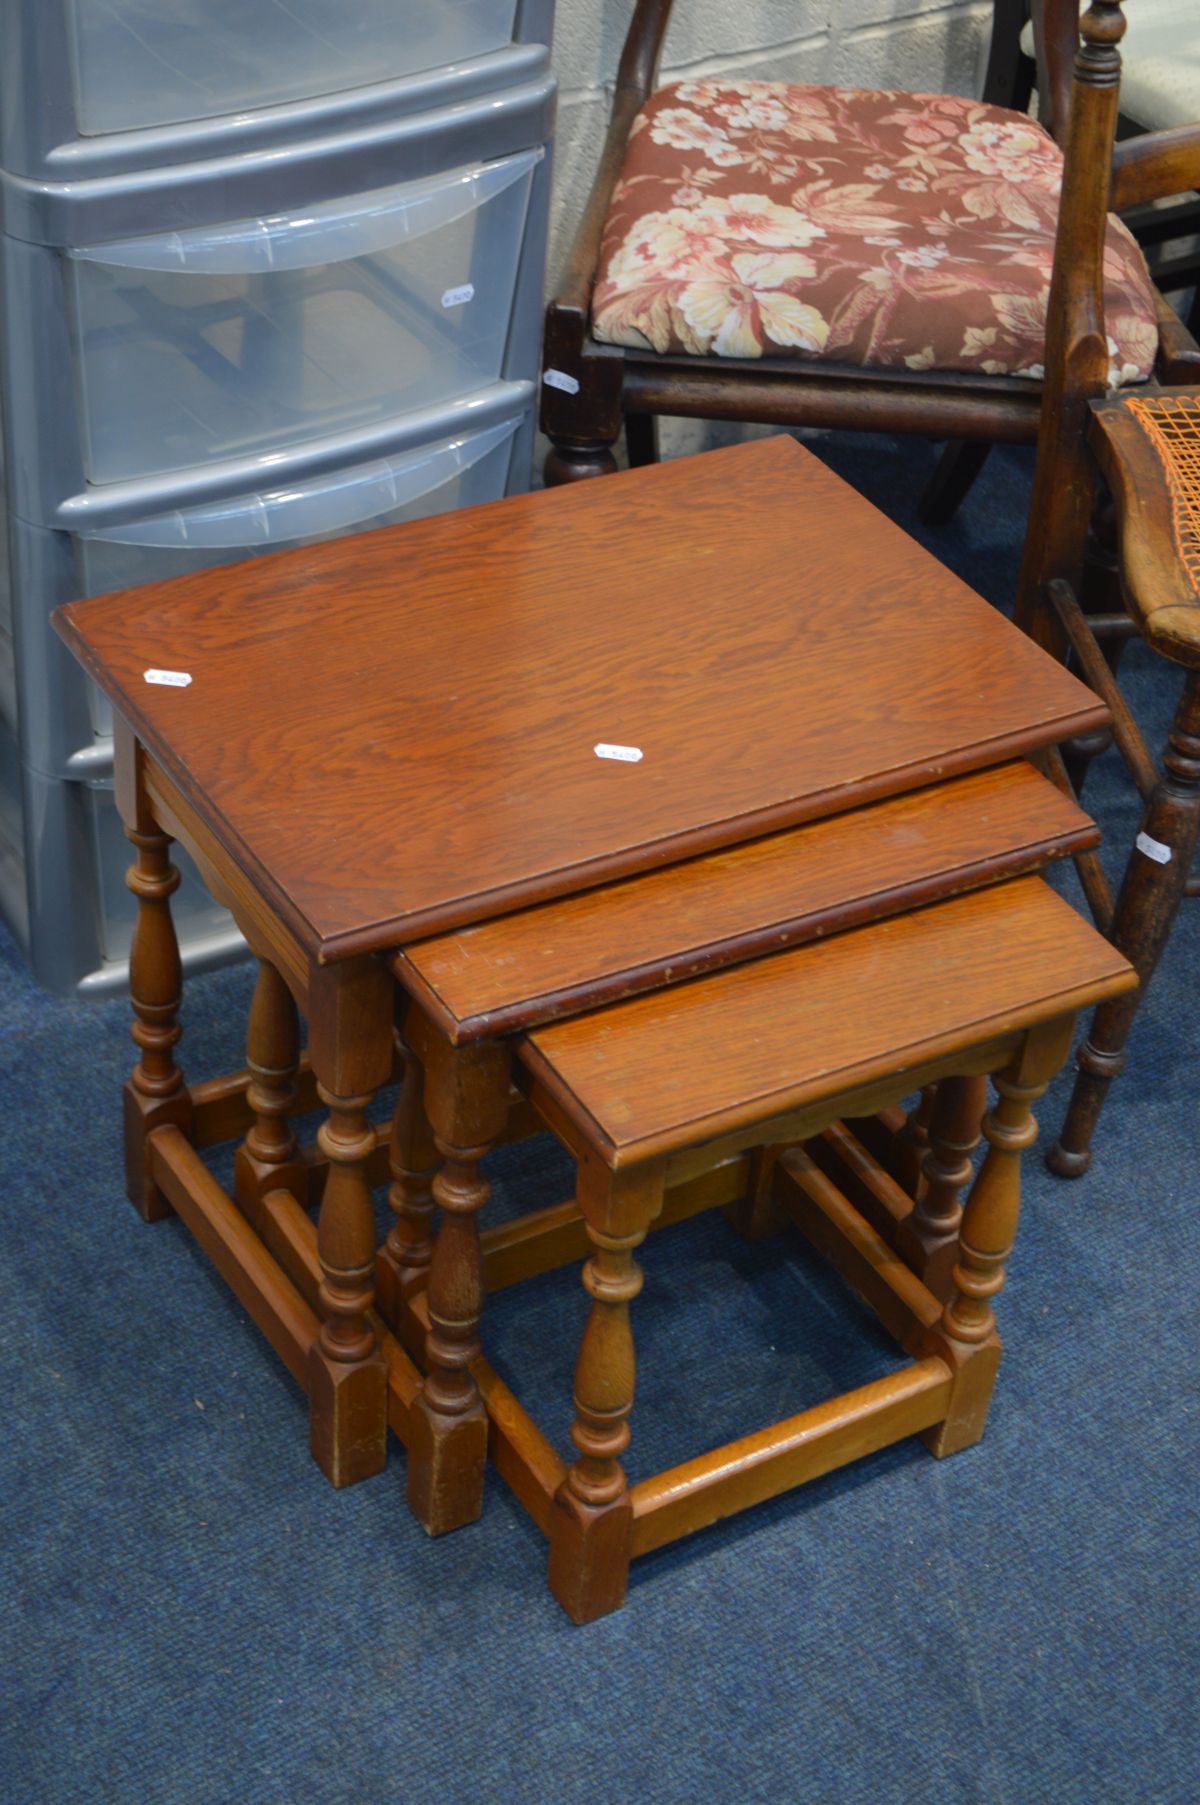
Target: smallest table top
667,1071
409,730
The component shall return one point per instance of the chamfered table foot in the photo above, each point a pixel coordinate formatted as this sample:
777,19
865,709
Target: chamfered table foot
446,1458
347,1423
141,1116
590,1551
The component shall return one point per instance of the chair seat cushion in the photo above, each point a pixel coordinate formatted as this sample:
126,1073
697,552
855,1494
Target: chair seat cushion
763,219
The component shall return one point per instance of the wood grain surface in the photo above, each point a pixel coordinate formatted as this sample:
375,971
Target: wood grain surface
682,1065
536,965
393,734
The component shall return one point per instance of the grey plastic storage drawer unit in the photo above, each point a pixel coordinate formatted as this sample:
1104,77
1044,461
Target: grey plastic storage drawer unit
105,87
193,346
66,722
138,63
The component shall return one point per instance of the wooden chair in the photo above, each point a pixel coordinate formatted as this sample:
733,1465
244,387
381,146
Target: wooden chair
1146,447
591,385
1160,88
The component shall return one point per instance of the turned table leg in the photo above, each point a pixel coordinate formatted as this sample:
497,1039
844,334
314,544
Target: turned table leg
912,1143
268,1159
593,1518
350,1044
966,1336
155,1094
928,1238
347,1377
592,1525
467,1101
413,1160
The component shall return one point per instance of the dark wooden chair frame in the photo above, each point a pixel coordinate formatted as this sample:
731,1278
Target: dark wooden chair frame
607,386
1090,443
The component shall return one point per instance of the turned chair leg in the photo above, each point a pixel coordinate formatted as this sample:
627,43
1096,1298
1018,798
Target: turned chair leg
466,1093
155,1095
413,1160
571,463
966,1336
641,440
1154,883
268,1159
928,1238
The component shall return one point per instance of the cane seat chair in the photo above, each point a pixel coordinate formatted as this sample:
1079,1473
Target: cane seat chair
1143,449
806,256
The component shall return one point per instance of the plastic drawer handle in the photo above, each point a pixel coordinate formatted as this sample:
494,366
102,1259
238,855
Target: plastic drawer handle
323,505
330,233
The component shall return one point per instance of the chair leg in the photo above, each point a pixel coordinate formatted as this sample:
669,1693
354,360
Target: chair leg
1153,886
572,463
951,482
641,439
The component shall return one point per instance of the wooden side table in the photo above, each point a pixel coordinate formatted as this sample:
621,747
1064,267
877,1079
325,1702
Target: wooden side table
378,741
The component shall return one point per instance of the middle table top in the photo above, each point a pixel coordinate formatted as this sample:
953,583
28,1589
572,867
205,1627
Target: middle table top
395,734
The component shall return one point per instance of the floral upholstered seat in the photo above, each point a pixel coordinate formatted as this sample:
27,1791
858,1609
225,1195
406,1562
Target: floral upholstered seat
763,219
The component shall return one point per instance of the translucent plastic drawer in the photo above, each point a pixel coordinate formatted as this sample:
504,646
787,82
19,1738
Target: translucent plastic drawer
447,473
163,62
228,341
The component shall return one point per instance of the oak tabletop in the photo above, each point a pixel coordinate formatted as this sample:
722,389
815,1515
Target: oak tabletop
531,966
396,733
665,1071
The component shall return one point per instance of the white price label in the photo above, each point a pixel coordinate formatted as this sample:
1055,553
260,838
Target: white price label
172,679
457,297
628,755
558,379
1154,849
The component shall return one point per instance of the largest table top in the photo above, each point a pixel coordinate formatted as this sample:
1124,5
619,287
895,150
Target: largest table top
395,734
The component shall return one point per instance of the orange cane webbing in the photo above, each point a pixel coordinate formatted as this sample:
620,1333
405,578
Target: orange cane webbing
1172,425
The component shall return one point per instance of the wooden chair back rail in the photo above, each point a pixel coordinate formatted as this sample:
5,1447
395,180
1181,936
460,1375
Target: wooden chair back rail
1155,166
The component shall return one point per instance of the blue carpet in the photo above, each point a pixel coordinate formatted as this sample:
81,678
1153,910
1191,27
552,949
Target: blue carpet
194,1616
